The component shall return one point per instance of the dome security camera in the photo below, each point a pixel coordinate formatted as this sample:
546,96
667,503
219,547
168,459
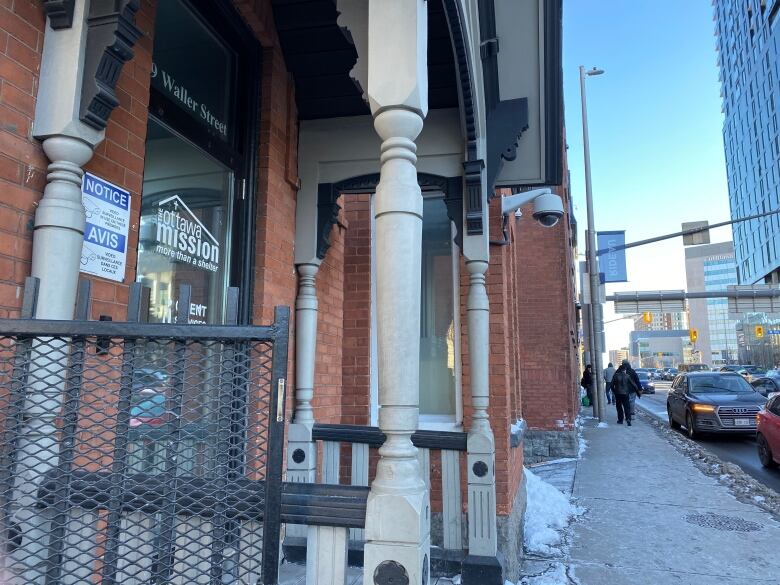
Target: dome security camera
548,209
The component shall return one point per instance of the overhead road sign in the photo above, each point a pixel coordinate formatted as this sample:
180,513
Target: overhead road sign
757,298
660,301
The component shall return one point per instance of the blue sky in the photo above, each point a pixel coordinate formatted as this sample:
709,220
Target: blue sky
655,130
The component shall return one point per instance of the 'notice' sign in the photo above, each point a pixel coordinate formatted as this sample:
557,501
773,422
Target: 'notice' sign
107,208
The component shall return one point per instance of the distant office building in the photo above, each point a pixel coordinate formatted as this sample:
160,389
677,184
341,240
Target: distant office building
748,42
658,349
618,355
711,267
661,322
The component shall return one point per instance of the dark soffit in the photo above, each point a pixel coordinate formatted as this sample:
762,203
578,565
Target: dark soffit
320,54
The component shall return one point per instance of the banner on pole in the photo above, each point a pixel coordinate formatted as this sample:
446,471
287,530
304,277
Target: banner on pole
612,263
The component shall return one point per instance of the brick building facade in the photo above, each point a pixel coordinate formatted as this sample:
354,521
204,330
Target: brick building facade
533,342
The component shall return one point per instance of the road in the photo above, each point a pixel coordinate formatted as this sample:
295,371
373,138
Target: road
738,450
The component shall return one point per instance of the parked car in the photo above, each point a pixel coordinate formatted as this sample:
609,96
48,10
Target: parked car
693,367
713,402
148,404
642,370
750,373
670,373
768,433
767,386
647,382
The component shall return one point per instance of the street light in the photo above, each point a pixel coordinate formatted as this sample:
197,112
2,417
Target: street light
597,319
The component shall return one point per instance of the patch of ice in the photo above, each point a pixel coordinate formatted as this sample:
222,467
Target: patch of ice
548,511
556,575
602,425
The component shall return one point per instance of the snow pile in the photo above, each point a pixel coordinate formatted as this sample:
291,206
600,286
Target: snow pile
555,575
548,511
602,425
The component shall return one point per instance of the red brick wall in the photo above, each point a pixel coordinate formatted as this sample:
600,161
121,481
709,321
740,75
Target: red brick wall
329,376
22,162
357,311
547,324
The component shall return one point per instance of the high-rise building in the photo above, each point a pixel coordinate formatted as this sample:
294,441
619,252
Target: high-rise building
661,322
748,43
618,355
711,267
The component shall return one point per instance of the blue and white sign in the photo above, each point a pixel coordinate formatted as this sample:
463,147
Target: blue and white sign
107,207
612,263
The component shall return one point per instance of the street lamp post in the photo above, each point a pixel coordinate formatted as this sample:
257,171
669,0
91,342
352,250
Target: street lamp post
597,319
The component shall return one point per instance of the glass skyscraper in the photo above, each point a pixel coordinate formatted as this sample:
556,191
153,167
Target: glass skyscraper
719,272
748,43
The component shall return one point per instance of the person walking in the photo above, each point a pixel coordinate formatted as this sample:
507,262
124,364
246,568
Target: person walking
587,382
636,388
609,371
622,386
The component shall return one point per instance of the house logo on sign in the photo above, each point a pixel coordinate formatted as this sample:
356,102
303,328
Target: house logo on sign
182,237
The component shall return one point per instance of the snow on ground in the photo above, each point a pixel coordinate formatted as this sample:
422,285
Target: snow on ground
602,425
555,575
548,512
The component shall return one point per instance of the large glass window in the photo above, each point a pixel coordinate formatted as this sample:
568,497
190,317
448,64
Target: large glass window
185,227
438,355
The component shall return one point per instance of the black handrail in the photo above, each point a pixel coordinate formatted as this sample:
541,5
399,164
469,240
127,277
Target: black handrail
374,437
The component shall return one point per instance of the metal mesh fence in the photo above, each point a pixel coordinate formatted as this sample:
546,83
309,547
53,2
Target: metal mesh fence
133,460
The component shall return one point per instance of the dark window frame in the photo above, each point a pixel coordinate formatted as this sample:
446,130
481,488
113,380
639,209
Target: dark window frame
241,157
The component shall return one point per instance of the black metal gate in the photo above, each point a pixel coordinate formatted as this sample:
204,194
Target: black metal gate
138,453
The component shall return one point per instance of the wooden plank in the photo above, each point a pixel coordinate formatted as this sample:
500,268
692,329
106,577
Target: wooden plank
452,518
331,461
136,549
359,477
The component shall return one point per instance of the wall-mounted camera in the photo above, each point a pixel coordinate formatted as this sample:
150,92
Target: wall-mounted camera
548,207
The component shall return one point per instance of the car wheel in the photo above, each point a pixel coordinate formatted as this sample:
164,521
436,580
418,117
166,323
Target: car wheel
692,433
672,423
765,452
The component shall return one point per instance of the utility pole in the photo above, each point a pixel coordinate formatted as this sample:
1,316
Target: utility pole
597,319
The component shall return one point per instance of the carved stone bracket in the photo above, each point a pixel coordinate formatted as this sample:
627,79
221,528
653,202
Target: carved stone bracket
505,123
328,209
60,13
327,216
473,199
110,39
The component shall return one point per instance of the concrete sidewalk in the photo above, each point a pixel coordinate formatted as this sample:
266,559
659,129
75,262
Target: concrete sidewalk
652,517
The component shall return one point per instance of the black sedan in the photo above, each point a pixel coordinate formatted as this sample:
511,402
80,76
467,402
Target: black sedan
713,402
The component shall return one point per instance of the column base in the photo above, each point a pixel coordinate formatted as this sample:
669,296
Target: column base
478,570
387,563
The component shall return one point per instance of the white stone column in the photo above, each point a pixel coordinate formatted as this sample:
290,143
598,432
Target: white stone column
59,228
57,242
481,444
301,450
398,515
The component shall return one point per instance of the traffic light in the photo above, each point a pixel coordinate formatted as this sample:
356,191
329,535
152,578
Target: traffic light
694,335
647,317
759,331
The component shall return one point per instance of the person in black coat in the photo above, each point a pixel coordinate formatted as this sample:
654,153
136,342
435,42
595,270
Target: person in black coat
637,384
587,381
622,387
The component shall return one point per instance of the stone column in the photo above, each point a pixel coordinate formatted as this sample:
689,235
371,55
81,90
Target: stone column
57,242
59,228
397,546
301,451
481,565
